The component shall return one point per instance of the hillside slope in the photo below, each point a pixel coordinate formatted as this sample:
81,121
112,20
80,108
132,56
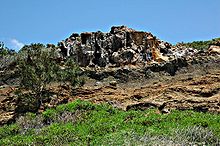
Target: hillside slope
134,70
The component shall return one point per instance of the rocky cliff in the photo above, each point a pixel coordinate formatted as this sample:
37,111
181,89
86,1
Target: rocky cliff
121,46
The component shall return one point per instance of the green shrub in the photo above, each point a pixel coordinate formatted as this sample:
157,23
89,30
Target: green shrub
9,130
38,68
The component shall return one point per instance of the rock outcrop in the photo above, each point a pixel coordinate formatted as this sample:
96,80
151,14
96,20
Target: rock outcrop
121,46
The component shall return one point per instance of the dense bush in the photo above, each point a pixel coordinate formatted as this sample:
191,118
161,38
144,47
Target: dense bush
7,61
7,56
39,68
83,123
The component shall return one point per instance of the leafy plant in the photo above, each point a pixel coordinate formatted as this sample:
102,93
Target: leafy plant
38,68
69,75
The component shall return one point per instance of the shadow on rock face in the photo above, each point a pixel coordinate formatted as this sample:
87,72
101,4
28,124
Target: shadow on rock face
169,67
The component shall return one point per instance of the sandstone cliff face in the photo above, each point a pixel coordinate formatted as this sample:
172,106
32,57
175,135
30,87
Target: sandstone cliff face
121,46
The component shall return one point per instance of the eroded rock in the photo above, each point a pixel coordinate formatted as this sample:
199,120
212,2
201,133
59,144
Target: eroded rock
121,46
214,49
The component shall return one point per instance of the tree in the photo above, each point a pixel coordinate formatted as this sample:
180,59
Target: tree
7,57
69,73
38,68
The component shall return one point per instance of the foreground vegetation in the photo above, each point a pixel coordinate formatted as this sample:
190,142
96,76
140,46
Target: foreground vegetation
84,123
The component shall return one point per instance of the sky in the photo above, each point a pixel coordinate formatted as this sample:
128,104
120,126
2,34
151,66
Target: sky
50,21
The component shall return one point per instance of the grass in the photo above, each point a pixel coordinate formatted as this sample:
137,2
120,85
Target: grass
84,123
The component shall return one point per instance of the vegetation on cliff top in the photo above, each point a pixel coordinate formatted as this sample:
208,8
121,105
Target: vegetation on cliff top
200,45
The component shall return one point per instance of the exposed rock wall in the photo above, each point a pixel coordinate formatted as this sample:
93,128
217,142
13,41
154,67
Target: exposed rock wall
121,46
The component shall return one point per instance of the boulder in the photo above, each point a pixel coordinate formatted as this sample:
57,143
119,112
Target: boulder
214,49
113,83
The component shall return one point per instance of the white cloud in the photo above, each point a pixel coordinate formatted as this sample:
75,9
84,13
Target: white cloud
16,44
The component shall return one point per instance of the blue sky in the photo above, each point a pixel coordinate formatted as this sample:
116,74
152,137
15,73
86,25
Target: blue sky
49,21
